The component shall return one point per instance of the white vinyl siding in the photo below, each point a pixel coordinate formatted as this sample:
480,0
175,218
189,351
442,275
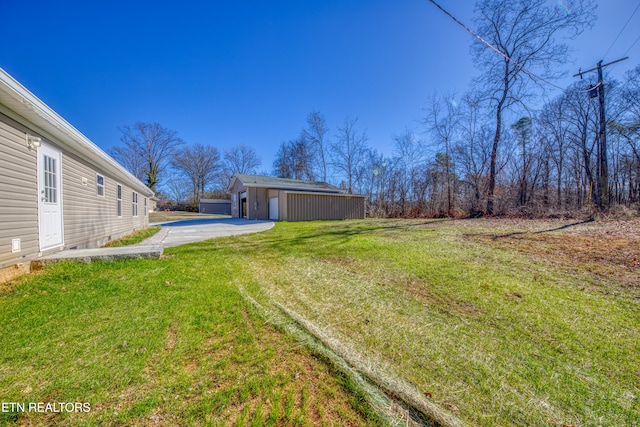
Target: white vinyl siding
87,205
87,218
18,194
99,185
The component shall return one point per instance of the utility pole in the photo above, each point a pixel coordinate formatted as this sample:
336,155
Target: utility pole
602,170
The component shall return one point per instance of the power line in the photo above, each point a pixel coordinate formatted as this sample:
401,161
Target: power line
625,54
498,51
620,33
632,45
599,66
602,169
628,50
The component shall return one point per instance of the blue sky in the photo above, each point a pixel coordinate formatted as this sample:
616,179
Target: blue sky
226,72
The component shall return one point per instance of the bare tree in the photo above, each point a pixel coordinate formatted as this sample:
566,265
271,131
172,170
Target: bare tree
582,135
525,33
523,129
410,157
629,125
130,156
554,126
349,151
177,188
239,159
199,163
294,160
148,149
442,120
314,134
472,151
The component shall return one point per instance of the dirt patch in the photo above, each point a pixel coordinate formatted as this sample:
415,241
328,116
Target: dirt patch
172,338
247,318
11,272
607,250
420,289
346,262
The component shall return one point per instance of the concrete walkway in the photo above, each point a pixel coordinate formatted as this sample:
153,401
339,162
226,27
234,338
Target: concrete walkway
178,233
172,234
107,254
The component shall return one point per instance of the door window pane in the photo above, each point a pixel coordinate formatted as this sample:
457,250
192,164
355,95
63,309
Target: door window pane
50,180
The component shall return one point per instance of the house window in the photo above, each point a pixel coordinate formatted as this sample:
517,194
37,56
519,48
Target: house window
119,201
145,206
100,185
134,204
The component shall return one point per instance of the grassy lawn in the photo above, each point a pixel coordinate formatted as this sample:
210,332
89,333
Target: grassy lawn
134,238
501,322
531,323
160,342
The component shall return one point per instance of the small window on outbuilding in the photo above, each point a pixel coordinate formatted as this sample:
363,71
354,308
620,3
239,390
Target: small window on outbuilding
99,185
134,204
119,201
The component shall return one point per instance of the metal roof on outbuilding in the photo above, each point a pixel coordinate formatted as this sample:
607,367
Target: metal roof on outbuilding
261,181
222,201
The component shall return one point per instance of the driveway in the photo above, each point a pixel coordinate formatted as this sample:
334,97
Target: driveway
178,233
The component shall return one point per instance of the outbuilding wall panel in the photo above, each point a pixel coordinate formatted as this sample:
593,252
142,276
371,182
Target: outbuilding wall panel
307,206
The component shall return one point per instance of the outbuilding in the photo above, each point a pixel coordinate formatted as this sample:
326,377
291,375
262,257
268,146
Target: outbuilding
281,199
58,190
215,206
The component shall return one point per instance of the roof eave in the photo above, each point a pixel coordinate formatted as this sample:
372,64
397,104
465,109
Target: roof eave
26,106
286,187
325,193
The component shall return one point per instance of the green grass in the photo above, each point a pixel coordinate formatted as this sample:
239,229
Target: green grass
499,335
133,238
496,336
159,342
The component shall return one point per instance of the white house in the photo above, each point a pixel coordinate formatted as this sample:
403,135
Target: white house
58,190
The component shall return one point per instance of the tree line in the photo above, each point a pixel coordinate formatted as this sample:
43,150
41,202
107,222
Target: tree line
496,149
546,162
180,173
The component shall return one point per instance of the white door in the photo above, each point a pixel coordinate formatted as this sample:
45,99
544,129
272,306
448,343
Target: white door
273,208
49,196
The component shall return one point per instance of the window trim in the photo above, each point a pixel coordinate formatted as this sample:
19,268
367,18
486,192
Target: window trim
119,200
100,186
134,204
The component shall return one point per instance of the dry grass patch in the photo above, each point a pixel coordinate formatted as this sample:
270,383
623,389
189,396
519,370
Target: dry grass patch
608,250
494,333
